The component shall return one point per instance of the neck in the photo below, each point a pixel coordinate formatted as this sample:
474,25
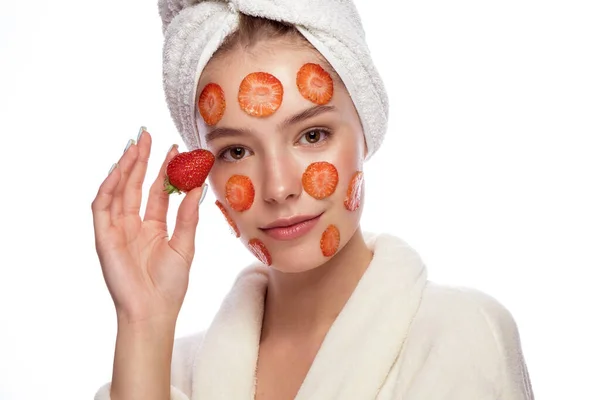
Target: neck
302,305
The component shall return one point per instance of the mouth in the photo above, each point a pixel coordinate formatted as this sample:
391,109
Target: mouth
291,228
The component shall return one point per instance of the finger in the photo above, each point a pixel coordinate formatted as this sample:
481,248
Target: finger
125,164
132,195
184,233
102,201
158,199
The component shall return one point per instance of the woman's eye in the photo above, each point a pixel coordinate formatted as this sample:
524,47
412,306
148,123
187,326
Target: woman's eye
314,136
234,153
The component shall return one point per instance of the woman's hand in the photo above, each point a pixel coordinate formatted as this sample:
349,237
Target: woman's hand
146,273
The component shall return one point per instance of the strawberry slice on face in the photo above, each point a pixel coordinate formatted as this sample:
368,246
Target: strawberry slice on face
260,251
260,94
315,84
211,103
230,221
320,179
352,201
330,241
239,192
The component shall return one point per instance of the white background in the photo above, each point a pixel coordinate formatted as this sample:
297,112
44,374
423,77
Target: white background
492,151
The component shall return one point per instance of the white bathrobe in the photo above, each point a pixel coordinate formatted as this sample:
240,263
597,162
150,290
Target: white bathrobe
399,337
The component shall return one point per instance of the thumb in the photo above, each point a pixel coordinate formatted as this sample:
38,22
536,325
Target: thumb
184,234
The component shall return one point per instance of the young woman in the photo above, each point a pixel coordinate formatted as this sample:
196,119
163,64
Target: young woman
291,110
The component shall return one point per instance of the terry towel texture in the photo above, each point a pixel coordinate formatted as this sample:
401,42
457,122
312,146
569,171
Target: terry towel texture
399,336
195,29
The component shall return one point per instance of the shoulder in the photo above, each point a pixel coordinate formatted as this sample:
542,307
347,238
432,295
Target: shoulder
467,322
455,304
182,364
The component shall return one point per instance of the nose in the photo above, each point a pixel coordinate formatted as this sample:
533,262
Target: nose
282,179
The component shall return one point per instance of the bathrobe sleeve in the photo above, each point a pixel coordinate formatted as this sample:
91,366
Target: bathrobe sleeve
467,347
184,351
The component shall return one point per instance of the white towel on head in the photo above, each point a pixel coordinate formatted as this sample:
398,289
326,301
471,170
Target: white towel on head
195,29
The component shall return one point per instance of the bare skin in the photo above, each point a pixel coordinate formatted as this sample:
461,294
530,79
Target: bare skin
305,292
146,273
299,310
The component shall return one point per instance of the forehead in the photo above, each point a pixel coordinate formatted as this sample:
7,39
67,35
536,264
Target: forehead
282,60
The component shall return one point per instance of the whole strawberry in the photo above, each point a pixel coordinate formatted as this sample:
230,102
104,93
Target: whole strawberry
188,170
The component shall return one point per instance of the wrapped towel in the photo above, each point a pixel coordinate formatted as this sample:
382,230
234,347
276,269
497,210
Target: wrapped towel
195,29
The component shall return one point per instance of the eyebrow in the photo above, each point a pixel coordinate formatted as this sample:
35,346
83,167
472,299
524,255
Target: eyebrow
295,119
227,132
306,114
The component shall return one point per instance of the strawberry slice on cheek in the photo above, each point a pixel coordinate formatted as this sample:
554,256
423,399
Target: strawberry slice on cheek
239,193
320,179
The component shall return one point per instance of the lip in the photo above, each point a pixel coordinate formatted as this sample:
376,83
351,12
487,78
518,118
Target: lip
291,228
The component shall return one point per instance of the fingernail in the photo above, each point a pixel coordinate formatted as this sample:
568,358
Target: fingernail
171,148
142,129
112,168
204,190
129,143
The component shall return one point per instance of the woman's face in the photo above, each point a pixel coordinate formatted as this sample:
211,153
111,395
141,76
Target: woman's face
275,176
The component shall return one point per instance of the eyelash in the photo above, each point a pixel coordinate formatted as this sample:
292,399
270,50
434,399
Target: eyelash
324,132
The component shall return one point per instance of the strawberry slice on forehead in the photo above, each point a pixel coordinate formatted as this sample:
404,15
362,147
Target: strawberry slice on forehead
211,103
314,83
260,94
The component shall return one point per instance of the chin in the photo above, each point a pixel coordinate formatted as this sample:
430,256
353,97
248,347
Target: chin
290,257
298,266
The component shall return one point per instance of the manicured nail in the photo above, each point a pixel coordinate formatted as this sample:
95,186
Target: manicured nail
129,143
204,190
112,168
171,148
142,129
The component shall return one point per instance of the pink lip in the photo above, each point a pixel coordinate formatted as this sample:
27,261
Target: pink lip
291,228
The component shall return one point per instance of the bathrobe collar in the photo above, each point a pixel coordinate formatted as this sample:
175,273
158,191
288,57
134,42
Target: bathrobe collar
358,351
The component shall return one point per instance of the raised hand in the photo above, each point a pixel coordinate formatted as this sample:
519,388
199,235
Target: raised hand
146,272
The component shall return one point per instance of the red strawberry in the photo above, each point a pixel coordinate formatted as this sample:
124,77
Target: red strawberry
239,192
320,179
314,83
330,241
259,249
260,94
352,201
230,221
211,103
188,170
